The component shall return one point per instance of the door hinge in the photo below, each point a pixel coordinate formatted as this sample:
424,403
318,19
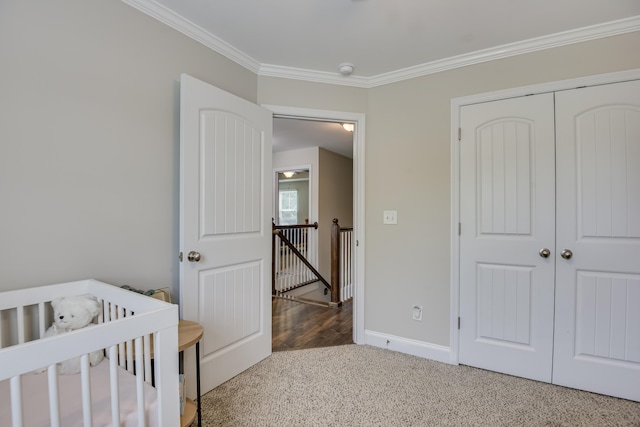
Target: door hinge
180,256
459,229
458,322
459,134
357,242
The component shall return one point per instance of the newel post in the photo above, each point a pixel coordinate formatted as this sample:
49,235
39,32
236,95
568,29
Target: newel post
335,262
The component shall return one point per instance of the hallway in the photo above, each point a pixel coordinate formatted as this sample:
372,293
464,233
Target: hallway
298,326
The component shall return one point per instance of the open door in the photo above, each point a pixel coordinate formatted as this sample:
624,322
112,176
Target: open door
225,230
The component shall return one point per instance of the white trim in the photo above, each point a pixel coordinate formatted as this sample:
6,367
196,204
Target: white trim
358,204
600,79
268,70
454,274
193,31
564,38
456,105
197,33
422,349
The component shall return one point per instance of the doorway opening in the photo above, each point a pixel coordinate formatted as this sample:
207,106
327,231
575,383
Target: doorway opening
302,141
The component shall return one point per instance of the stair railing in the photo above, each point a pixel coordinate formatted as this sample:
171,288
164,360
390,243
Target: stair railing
291,249
291,268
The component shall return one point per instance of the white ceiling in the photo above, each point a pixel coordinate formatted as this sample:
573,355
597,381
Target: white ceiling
386,40
310,38
295,134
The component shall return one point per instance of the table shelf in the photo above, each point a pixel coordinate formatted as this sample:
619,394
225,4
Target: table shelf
189,414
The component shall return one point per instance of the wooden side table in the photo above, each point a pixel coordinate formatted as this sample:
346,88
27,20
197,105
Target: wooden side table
190,333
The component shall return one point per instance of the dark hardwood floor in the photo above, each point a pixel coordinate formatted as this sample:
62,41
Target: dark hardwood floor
298,326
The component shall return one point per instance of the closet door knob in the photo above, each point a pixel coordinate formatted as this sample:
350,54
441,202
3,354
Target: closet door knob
544,253
193,256
566,254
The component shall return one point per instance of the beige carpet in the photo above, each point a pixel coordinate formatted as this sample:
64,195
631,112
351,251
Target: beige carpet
368,386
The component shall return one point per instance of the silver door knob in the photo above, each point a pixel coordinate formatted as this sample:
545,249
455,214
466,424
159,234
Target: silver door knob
566,254
193,256
544,253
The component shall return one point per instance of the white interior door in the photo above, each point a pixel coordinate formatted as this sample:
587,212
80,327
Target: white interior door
597,342
507,210
225,210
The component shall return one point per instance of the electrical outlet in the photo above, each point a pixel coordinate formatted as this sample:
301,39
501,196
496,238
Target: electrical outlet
417,313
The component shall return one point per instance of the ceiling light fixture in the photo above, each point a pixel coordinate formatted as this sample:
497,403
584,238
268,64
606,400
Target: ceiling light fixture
288,174
348,127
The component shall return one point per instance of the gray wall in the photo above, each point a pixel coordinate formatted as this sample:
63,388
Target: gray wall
89,140
89,151
336,201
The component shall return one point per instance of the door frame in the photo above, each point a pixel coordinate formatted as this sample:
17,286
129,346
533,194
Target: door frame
358,200
456,105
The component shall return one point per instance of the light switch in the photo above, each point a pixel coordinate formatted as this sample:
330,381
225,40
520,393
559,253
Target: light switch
390,217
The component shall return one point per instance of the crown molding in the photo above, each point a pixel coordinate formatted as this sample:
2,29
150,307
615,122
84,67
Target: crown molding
312,76
188,28
193,31
593,32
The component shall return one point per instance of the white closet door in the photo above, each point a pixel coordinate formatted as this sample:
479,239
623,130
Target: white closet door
507,214
597,338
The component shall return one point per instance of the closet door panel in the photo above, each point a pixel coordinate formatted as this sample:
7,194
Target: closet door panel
507,213
597,330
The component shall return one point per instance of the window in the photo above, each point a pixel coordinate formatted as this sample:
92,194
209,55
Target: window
288,205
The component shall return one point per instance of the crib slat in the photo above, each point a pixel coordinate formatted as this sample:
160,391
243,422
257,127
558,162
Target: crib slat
41,317
122,346
16,401
85,379
147,359
101,313
113,377
142,421
129,346
54,395
20,318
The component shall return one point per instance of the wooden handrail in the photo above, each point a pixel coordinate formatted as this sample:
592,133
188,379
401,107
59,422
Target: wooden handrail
291,227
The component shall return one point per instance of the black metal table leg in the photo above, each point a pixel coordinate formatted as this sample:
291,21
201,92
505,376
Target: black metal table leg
198,383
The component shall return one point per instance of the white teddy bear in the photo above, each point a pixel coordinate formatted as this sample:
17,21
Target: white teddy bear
70,313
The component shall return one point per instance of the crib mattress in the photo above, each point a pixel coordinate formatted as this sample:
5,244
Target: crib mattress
36,399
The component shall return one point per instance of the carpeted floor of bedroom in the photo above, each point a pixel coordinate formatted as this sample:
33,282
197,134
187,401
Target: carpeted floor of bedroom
353,385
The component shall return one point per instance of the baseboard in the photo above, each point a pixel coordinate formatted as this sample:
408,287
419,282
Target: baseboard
426,350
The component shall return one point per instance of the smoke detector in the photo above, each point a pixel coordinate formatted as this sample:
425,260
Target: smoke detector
346,68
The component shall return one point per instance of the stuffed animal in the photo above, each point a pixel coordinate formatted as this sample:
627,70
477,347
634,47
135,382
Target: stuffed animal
70,313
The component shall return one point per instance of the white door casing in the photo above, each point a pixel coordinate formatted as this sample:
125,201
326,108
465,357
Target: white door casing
358,193
507,215
597,323
225,207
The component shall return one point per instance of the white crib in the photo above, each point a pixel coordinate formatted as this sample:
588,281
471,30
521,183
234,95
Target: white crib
135,385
